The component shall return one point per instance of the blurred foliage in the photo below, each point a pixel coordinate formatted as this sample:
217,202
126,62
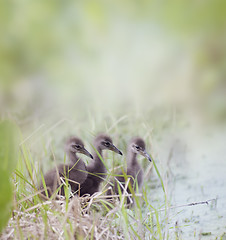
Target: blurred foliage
129,53
6,195
192,17
9,147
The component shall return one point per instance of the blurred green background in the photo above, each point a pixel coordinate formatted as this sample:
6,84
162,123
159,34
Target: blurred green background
158,60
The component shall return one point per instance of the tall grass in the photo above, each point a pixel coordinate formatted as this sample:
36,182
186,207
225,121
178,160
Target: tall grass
85,217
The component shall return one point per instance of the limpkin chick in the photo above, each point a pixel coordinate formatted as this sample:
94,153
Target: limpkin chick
75,171
97,170
133,171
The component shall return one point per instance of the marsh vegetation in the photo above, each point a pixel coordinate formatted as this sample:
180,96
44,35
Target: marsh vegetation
78,68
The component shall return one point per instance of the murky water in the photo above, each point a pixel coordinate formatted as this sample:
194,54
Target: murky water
195,163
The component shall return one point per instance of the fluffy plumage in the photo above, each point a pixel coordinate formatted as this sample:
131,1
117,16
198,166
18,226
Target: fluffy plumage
97,170
134,170
75,171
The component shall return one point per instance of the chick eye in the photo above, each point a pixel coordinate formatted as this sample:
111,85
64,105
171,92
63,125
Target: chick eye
107,144
137,148
77,146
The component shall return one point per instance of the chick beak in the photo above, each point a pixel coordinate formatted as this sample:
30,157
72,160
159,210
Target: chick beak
115,149
145,154
85,152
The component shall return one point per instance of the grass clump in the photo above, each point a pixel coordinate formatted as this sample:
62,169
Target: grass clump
85,217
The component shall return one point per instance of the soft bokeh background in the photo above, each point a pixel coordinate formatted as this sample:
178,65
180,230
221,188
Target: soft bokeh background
70,59
150,68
